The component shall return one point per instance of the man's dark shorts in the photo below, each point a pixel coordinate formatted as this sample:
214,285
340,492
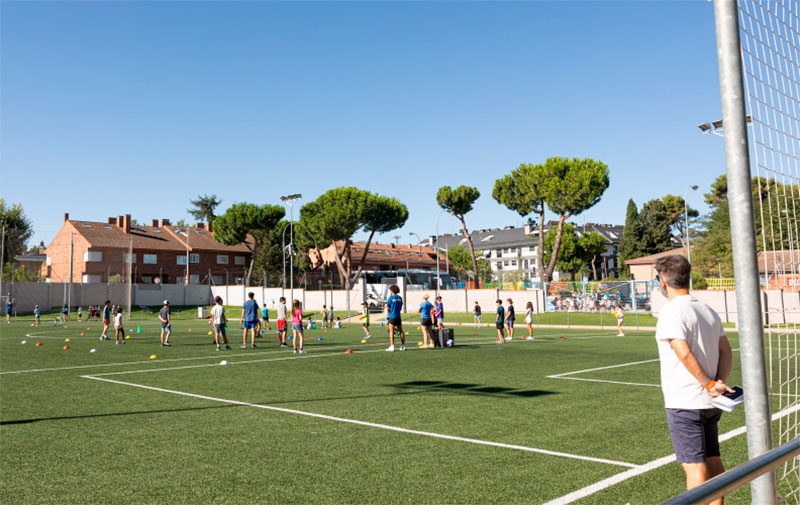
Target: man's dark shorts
395,321
425,322
695,434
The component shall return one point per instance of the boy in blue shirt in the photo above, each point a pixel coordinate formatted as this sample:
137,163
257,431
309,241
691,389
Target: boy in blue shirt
394,306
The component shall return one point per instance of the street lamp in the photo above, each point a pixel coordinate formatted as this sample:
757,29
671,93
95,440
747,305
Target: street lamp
438,280
419,242
693,187
289,200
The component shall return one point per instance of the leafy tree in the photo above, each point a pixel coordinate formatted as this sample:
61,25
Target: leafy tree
656,234
15,272
591,245
459,202
630,244
461,265
203,208
248,224
519,191
17,229
567,186
676,214
341,212
576,252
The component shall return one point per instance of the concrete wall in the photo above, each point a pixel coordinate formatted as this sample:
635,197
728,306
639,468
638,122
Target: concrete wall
778,307
49,295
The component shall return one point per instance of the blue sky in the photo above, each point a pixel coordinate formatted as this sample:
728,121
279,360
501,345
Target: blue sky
111,108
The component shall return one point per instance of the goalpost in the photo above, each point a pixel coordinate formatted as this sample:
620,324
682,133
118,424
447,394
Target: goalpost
758,46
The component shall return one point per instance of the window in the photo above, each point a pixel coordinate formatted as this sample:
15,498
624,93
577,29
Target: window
146,279
91,279
531,248
238,260
129,258
514,263
194,279
149,259
181,260
512,250
194,258
222,259
499,253
505,263
93,256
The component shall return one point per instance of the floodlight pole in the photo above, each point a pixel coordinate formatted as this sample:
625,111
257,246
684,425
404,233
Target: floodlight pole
438,280
289,200
693,187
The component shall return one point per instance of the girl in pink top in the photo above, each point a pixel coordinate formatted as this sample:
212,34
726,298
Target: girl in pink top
297,327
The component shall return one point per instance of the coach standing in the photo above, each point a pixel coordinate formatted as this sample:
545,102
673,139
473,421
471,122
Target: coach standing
696,360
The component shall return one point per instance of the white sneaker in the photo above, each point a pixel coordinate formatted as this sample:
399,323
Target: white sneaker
529,337
368,337
390,348
620,334
403,347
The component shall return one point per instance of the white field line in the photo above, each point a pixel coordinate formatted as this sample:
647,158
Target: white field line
220,356
368,424
652,465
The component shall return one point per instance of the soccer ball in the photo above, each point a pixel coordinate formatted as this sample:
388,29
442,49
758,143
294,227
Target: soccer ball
449,342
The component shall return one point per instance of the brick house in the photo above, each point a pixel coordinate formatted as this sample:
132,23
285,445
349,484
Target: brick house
159,253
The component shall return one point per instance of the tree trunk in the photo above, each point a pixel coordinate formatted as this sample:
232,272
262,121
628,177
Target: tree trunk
363,257
540,249
343,262
556,246
471,248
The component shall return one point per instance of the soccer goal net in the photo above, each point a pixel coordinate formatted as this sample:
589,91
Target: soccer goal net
769,32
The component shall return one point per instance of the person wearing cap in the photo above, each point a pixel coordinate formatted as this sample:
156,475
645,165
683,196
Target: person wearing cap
166,324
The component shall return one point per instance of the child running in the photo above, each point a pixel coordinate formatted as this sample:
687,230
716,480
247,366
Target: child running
620,315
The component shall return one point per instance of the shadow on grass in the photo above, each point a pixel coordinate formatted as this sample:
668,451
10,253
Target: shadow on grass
472,389
110,414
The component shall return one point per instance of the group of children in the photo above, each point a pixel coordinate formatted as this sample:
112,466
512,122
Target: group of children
505,317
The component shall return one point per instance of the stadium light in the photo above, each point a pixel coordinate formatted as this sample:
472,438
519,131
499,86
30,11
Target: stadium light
717,128
289,200
693,187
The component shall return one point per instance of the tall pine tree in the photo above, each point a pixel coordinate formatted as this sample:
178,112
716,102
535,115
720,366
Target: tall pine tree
629,245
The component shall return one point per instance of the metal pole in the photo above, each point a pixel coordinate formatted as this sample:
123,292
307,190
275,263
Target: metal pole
289,200
763,490
686,211
437,251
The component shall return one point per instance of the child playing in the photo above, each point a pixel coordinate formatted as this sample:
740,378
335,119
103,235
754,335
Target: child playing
119,331
620,315
529,320
365,317
297,327
500,322
219,320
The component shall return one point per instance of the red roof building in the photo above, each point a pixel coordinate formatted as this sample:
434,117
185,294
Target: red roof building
156,254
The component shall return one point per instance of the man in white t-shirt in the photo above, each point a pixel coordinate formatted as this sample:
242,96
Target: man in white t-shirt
220,321
696,360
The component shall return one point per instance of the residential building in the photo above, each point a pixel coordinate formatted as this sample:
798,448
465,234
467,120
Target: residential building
96,252
514,249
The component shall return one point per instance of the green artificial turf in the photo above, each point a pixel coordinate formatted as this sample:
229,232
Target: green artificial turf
477,423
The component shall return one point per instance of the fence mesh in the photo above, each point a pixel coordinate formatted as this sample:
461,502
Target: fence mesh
770,45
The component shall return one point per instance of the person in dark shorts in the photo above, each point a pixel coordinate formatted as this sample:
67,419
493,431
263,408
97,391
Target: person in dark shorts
394,307
499,322
696,360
